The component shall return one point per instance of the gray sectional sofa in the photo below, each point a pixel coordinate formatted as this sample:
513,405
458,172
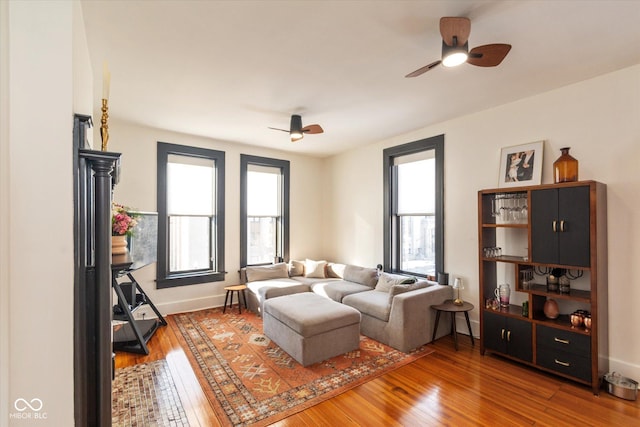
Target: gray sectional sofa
395,310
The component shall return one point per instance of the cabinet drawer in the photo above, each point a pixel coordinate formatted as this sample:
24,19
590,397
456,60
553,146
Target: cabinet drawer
560,340
565,363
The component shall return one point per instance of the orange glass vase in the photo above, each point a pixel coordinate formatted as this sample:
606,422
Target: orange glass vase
565,168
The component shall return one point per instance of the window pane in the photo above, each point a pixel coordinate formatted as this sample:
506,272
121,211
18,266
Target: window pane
261,235
190,186
190,243
414,207
263,191
416,187
417,244
264,210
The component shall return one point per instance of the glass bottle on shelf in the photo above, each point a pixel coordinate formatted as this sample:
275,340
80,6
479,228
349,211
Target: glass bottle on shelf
565,168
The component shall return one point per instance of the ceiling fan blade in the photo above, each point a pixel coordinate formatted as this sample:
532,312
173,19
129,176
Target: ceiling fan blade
455,26
488,55
424,69
283,130
312,129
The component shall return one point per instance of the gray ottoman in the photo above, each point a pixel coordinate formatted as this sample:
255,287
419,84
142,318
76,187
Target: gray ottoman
311,328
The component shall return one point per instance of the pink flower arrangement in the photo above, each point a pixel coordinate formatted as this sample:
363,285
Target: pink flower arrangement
122,221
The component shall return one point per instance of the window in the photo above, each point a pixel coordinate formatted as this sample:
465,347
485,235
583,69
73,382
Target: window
264,210
190,215
414,207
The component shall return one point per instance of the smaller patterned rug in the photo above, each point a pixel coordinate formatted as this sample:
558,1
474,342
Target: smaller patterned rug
145,395
249,380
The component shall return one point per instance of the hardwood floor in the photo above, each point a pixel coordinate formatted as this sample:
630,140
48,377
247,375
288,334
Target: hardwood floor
446,387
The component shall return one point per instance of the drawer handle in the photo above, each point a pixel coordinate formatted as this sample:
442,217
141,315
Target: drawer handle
558,362
502,335
560,341
509,336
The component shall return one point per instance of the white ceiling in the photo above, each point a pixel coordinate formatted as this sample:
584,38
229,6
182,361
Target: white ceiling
230,69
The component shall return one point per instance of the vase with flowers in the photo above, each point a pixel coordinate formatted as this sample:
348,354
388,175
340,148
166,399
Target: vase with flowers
122,223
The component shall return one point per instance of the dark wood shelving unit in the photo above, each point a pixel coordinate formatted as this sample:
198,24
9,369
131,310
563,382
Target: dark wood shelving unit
565,227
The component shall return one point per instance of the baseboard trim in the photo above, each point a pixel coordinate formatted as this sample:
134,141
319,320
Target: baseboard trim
184,306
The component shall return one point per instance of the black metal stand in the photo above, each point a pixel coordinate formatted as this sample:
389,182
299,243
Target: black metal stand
132,335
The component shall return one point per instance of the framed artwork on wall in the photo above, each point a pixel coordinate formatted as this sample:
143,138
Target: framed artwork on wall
521,165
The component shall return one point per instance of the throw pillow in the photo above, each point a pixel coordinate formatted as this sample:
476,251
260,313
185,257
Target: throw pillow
296,268
387,280
315,268
266,272
361,275
335,270
406,287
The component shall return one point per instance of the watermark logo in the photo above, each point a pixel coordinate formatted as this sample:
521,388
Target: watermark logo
28,409
22,405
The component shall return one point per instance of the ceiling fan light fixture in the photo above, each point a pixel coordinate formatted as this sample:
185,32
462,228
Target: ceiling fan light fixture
295,130
296,135
452,56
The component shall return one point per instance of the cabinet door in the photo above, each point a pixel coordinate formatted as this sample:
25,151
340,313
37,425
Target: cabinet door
560,226
519,339
494,332
573,236
544,238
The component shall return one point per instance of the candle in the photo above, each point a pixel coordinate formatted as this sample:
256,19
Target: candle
106,81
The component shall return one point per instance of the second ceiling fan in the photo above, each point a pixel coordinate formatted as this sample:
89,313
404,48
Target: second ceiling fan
296,131
455,47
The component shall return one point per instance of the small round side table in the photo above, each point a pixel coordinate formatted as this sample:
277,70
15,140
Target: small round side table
449,307
239,289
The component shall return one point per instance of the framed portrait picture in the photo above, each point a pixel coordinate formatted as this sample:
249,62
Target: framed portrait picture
521,165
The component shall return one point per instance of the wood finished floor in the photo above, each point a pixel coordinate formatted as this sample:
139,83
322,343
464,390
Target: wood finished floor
446,387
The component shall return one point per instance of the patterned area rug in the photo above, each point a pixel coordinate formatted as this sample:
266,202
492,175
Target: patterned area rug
145,395
250,381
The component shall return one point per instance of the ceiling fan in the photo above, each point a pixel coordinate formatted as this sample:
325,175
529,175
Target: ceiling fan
296,131
455,47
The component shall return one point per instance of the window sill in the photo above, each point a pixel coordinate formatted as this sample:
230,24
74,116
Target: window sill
189,279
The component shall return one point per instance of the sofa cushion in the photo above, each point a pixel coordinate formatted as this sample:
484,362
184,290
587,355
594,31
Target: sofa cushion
296,268
313,280
265,289
335,270
372,303
362,275
315,268
266,272
337,289
406,287
309,314
387,280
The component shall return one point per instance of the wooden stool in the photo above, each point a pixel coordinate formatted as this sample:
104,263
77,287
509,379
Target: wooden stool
230,290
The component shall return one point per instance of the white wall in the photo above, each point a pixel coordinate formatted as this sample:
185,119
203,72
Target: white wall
137,189
4,212
37,231
599,119
82,71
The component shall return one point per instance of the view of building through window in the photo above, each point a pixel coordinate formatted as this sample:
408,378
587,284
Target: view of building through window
416,213
263,214
191,210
